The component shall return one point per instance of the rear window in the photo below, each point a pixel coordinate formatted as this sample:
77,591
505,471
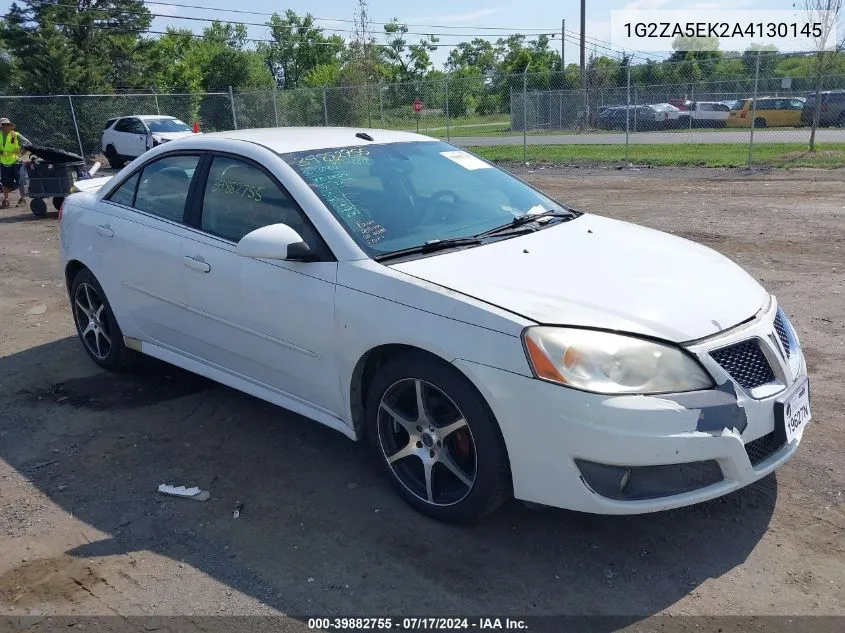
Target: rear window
109,123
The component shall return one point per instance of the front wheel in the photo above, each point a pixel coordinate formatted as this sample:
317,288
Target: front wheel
759,122
95,324
436,440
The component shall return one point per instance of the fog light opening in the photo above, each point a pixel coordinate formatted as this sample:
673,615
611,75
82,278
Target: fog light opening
626,479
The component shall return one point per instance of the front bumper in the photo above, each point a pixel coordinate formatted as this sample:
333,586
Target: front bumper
554,434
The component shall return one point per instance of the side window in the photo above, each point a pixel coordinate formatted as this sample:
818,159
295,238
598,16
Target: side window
122,125
125,194
163,188
136,127
240,198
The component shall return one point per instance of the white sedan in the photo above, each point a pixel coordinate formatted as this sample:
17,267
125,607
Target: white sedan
487,341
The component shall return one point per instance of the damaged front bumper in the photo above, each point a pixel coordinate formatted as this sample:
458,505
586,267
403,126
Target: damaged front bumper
637,454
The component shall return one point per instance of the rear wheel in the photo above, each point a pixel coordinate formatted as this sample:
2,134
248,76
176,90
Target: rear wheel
840,122
115,161
759,122
95,324
38,207
436,440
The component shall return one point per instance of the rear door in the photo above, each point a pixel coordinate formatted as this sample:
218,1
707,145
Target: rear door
121,136
269,322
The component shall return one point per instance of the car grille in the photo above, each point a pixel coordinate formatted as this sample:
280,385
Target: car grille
764,447
780,328
745,363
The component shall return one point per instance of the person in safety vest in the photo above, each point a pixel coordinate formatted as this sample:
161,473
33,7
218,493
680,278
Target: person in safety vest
11,148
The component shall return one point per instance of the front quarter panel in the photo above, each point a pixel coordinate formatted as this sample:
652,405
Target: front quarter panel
376,306
77,231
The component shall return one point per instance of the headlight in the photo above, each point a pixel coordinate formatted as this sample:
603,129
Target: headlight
607,363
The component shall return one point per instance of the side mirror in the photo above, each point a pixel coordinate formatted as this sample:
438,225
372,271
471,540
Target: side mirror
275,241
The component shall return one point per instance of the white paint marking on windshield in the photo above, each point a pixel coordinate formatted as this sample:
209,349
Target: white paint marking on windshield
465,160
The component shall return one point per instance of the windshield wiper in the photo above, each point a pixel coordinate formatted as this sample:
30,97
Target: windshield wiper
527,219
430,247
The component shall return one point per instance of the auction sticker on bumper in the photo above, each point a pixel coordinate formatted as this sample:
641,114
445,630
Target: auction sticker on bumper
796,411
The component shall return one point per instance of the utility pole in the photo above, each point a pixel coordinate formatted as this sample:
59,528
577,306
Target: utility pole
562,45
583,46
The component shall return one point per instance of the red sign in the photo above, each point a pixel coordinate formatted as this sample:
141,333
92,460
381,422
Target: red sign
418,105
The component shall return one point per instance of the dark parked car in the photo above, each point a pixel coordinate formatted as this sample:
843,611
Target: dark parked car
641,118
832,111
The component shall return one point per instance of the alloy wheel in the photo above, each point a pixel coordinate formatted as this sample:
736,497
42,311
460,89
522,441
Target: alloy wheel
92,323
427,442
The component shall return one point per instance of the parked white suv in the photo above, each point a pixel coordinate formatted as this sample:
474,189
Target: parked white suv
126,138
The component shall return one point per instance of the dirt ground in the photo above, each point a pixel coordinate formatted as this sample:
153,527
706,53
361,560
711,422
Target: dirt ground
82,452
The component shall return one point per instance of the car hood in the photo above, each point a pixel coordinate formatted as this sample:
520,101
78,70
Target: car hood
599,272
172,136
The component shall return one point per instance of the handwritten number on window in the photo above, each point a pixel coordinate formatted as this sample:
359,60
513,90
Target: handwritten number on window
236,188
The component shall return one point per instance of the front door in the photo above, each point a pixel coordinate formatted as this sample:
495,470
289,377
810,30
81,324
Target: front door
270,322
143,226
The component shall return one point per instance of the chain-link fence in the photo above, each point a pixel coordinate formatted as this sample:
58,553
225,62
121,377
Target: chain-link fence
736,104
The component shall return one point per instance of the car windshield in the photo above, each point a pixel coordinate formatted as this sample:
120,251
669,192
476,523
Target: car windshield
403,195
167,125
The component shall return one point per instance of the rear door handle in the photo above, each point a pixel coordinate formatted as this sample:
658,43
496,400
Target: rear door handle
105,230
196,264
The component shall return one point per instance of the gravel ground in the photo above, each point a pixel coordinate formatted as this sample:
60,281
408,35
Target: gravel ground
82,452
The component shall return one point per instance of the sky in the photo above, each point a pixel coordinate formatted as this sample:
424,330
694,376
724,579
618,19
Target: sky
465,18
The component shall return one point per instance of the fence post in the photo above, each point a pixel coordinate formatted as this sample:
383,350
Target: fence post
636,105
380,104
692,98
628,112
275,105
232,101
76,127
525,113
325,107
446,90
158,110
753,110
369,106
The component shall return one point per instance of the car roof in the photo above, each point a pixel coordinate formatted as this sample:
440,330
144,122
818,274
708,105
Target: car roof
299,139
147,117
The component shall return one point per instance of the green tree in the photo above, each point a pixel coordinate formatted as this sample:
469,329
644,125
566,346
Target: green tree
478,53
99,35
298,47
403,61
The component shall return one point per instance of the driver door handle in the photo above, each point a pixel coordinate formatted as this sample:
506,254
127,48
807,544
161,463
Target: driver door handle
196,264
105,230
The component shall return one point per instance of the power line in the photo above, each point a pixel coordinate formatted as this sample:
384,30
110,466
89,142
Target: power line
121,29
245,12
112,11
503,30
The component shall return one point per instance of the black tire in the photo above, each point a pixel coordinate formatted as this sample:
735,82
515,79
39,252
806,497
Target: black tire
840,122
115,161
58,201
119,357
759,122
38,207
491,486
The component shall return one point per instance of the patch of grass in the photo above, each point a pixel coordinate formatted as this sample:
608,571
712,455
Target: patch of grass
826,156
